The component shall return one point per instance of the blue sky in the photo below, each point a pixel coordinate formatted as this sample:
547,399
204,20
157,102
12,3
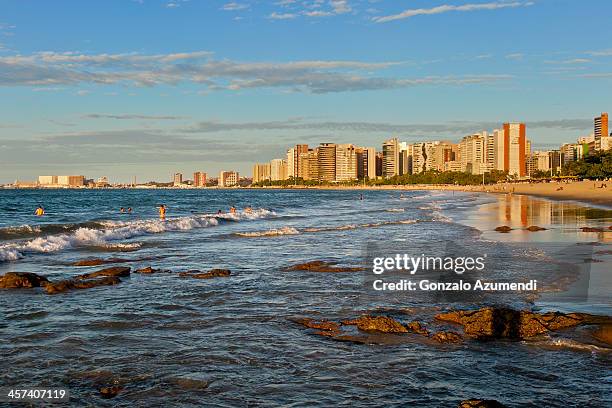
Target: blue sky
145,88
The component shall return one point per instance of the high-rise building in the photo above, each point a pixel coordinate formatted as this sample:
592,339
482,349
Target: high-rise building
346,162
47,180
71,181
327,162
278,170
600,129
366,162
261,172
228,178
177,179
309,165
472,154
293,160
391,158
515,149
199,179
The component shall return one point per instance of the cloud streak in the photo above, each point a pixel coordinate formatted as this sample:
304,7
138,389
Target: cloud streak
449,8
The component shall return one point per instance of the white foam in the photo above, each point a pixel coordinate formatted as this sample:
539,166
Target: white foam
395,210
269,233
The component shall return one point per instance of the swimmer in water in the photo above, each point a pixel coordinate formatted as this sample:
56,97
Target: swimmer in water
122,210
232,210
248,210
162,211
129,210
39,211
220,212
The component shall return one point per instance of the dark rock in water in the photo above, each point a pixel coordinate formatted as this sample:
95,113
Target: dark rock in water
322,266
592,229
477,403
503,228
535,228
381,324
508,323
65,285
417,328
150,270
447,337
326,325
97,261
604,334
110,391
118,271
213,273
14,280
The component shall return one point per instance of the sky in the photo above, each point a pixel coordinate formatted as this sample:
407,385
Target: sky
146,88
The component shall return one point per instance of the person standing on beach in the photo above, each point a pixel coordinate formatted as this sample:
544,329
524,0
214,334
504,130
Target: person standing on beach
39,211
162,211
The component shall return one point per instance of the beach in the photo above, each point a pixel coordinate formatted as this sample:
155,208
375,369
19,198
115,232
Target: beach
276,306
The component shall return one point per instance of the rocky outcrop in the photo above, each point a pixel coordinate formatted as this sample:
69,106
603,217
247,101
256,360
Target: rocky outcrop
592,229
417,328
511,324
324,325
110,391
447,337
535,228
70,284
98,261
382,324
478,403
213,273
15,280
503,228
117,271
604,334
322,266
150,270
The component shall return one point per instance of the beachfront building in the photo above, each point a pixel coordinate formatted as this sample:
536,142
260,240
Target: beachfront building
472,152
391,158
47,180
199,179
293,160
327,162
261,172
346,163
61,181
228,178
366,162
600,129
278,169
308,165
515,149
440,154
177,179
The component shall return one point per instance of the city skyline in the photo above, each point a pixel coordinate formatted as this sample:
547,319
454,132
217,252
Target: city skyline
219,85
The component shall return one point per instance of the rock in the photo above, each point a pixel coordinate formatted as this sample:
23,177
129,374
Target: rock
592,229
508,323
417,328
150,270
503,228
604,334
118,271
477,403
535,228
213,273
110,391
97,261
322,266
447,337
14,280
381,324
323,325
65,285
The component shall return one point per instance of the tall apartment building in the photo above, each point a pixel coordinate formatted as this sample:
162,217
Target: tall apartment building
473,154
228,178
47,180
327,162
391,158
308,165
177,179
293,160
346,162
71,181
261,172
278,170
515,149
600,129
366,162
199,179
440,154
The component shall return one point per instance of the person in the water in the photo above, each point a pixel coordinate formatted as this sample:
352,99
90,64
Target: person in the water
232,210
129,210
39,211
220,212
248,210
122,210
162,211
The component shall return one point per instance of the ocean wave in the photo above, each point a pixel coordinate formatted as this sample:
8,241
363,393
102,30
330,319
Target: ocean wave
116,231
27,231
395,210
570,344
269,233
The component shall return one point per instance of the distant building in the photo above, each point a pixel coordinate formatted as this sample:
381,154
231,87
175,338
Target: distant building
472,151
366,162
515,149
346,163
278,169
308,166
391,158
228,178
199,179
261,172
47,180
71,181
600,129
177,179
293,160
327,162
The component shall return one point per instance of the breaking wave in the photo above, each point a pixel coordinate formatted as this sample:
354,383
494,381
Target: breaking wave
269,233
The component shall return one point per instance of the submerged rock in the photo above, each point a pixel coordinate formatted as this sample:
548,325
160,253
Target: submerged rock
325,325
110,391
15,280
478,403
118,271
322,266
503,228
213,273
381,324
535,228
98,261
447,337
70,284
492,322
417,328
150,270
604,334
592,229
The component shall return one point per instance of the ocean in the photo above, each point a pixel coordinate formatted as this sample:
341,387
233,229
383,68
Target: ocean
232,341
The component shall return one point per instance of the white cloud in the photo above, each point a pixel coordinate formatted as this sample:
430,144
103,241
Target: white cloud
448,8
233,6
282,16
